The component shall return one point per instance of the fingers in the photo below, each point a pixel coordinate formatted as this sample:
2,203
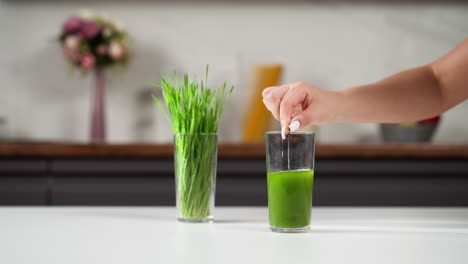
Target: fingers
290,101
284,102
301,119
306,117
272,97
291,104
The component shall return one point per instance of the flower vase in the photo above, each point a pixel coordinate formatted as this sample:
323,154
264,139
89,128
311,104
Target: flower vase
98,125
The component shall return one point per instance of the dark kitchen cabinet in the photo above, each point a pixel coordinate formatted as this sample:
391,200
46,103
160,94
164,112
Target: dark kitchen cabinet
45,173
338,182
23,182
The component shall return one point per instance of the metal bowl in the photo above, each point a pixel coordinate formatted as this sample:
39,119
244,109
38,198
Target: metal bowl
405,134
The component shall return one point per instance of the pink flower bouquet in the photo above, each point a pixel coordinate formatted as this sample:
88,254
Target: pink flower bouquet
93,41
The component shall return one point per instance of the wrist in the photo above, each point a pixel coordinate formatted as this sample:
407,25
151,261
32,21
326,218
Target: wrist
337,112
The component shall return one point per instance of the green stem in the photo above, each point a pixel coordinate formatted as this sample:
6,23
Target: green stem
196,156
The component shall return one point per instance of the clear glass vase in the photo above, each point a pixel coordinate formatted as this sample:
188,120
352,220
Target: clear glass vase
195,160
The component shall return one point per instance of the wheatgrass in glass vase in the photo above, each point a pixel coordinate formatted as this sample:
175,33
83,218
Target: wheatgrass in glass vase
194,110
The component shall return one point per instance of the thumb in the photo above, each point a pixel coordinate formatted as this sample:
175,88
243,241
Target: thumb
301,120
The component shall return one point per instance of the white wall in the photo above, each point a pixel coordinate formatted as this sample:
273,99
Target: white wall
330,45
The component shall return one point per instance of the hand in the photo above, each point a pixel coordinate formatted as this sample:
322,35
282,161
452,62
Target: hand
298,104
411,95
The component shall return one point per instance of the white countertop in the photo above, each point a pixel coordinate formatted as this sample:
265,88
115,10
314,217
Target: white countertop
239,235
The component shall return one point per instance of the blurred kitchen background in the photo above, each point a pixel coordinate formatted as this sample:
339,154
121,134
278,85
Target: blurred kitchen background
46,110
331,44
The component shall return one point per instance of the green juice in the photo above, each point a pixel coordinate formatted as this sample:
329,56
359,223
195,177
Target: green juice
290,198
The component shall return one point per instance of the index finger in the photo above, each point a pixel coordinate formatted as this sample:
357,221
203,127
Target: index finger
291,99
272,97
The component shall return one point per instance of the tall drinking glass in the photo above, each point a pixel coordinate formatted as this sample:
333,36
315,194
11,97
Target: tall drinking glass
290,176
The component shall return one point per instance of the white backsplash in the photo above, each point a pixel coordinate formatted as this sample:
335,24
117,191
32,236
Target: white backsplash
333,46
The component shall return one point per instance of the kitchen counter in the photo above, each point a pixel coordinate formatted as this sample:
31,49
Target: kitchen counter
232,151
239,235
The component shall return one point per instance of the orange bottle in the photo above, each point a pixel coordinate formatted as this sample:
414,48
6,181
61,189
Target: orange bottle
258,118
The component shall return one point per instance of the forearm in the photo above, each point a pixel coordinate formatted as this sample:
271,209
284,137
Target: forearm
404,97
408,96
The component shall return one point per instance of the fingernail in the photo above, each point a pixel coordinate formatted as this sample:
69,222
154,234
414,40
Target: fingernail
283,134
294,126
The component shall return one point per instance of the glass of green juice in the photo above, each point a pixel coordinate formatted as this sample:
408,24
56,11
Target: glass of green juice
290,177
